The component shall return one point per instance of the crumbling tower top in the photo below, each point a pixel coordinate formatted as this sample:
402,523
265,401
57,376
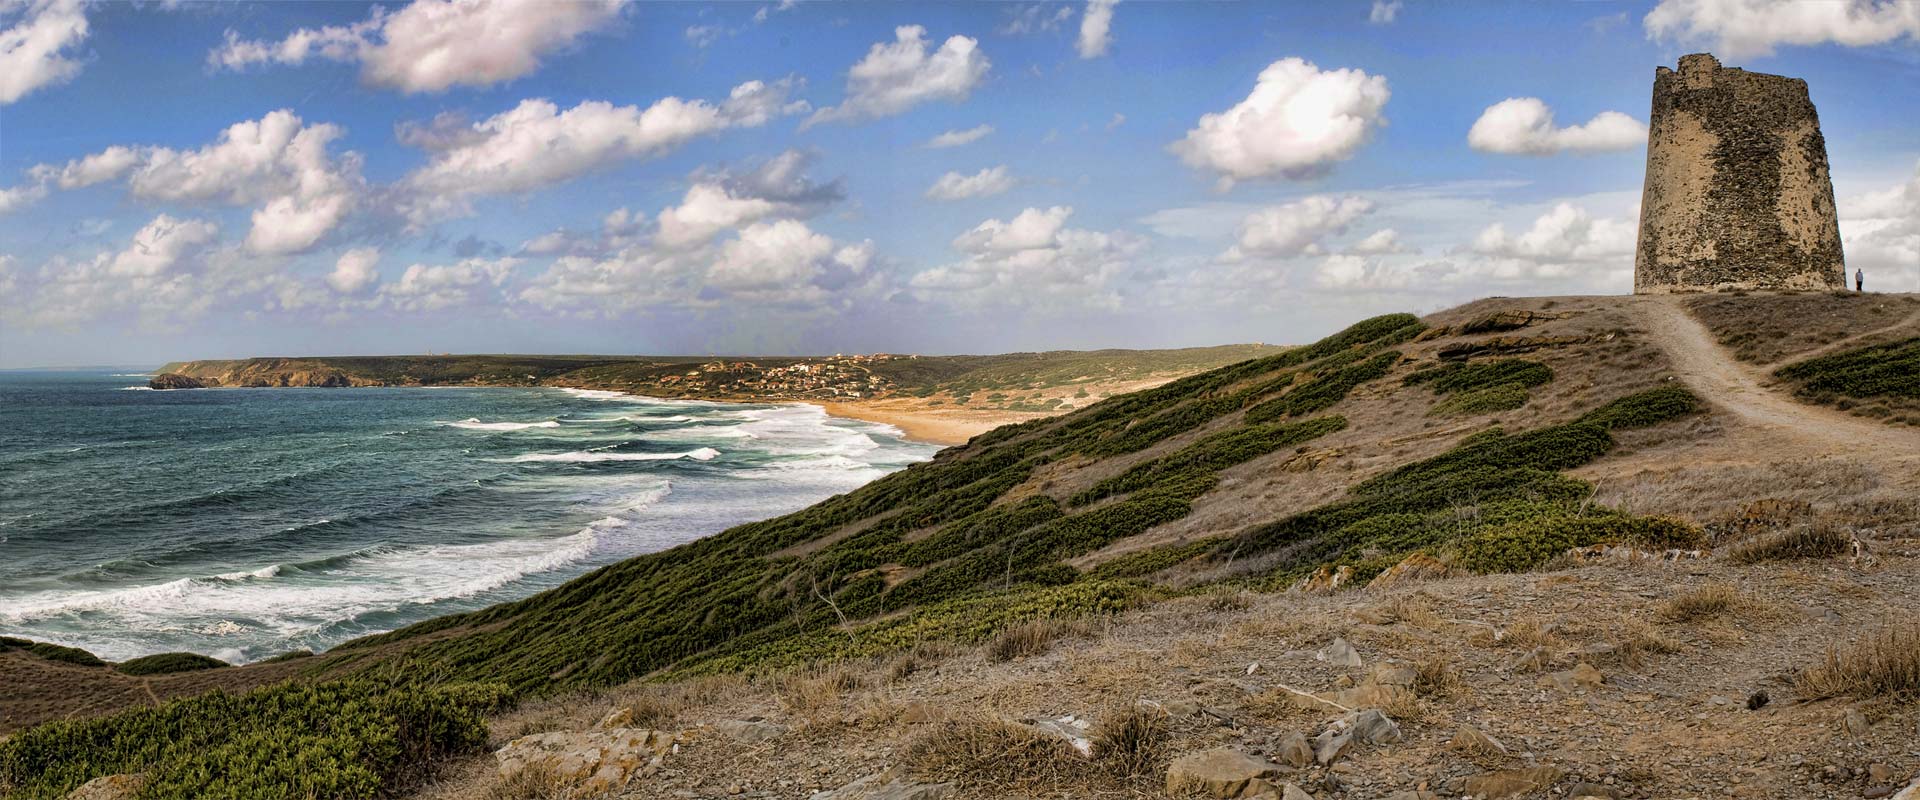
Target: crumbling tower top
1737,193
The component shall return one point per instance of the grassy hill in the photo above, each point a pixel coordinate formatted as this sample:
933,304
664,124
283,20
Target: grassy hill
1394,443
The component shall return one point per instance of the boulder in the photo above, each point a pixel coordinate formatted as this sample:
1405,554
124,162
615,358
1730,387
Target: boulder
1513,782
1372,727
1370,695
1500,321
1340,654
1070,730
1292,792
1474,741
1221,772
749,731
1325,580
1600,790
1331,745
1394,675
1412,569
1855,723
888,785
597,760
109,787
1295,751
174,380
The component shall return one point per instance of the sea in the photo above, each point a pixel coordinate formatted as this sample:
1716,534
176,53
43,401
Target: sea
244,523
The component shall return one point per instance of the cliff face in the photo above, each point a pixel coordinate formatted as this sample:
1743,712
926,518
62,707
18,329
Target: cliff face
1737,193
258,373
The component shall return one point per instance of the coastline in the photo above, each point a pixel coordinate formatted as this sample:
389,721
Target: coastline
920,423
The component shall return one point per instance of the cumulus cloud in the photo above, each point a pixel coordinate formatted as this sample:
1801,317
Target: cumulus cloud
1298,121
1880,231
1033,260
535,144
785,262
1748,28
158,275
1296,228
1385,241
1035,18
432,288
353,273
1524,126
1566,242
1096,28
37,46
18,197
985,183
898,75
431,45
958,138
278,163
160,246
1384,12
1344,272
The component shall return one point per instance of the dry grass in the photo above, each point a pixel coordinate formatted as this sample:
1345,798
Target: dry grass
1636,641
1131,741
1705,602
813,691
1223,598
1884,665
1436,676
1415,610
984,751
1033,637
1820,540
537,782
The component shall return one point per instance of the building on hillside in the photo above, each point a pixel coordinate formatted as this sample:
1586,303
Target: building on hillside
1737,193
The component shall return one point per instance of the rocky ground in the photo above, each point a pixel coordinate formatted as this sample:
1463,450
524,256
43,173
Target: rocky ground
1582,680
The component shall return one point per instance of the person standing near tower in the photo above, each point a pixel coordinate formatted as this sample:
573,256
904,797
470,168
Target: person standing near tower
1859,280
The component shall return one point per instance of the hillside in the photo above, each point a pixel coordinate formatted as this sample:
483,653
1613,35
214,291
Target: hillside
1221,526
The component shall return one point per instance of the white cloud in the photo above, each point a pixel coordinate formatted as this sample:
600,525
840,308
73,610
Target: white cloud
958,138
1035,18
1566,242
985,183
36,50
1297,122
431,288
1384,12
19,197
1296,228
765,12
898,75
1738,29
158,275
353,273
431,45
160,246
704,36
1351,273
1033,260
784,262
1385,241
1524,126
278,163
1096,28
708,209
535,144
1880,232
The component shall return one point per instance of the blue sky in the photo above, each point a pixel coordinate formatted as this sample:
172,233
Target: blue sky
235,179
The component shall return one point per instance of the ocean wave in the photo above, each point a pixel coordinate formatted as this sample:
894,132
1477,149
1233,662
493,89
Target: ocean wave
137,389
588,456
474,424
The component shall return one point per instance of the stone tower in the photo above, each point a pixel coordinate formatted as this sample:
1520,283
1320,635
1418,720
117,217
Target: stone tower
1737,193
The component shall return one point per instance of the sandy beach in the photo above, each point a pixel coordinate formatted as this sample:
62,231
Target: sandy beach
930,424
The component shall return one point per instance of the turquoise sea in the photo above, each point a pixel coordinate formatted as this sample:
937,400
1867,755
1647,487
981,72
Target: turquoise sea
241,523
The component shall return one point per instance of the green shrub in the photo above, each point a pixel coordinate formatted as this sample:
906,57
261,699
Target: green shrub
62,653
1212,454
1651,407
341,739
1468,376
290,655
1505,397
163,663
1520,546
1889,370
1324,390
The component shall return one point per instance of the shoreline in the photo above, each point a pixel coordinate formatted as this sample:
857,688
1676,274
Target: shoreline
947,428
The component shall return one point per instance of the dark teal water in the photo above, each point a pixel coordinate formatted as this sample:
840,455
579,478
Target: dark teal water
245,522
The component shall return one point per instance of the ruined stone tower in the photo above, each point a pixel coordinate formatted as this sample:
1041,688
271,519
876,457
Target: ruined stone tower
1737,193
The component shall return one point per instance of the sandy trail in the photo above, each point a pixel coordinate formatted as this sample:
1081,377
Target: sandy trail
1786,429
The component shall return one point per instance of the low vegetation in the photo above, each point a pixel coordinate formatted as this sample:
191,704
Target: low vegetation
1886,664
1700,603
1813,540
163,663
52,652
343,739
1882,381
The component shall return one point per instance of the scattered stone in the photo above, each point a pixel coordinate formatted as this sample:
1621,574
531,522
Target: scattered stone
1415,794
1324,580
1295,751
1500,322
1340,654
1310,461
1512,782
599,760
749,731
1330,745
1393,675
1475,741
1582,676
1292,792
1758,700
888,785
1856,723
1069,729
1593,790
1221,772
1373,727
1912,792
621,717
1879,773
110,787
1368,695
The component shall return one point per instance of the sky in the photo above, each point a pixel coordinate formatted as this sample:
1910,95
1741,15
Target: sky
228,179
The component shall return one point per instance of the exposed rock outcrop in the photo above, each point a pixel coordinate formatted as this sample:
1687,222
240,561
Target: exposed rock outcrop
598,760
175,380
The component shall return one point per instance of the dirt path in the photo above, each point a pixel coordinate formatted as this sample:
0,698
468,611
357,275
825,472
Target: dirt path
1911,320
1791,429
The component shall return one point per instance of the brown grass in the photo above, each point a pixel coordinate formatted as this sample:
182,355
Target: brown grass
1883,665
1820,540
812,691
1130,740
536,782
983,751
1436,676
1031,638
1705,602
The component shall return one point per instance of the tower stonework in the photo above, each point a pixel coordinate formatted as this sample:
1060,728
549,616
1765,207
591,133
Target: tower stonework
1737,193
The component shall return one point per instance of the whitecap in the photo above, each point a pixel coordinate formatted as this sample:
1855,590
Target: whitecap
700,454
137,389
474,424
